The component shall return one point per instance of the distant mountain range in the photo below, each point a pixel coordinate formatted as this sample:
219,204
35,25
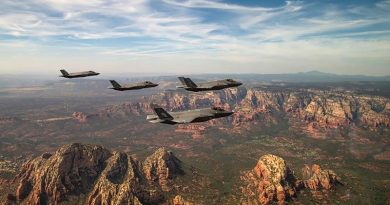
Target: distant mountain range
311,76
8,81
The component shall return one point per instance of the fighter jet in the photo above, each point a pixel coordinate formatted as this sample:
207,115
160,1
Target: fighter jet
184,117
65,74
188,84
134,86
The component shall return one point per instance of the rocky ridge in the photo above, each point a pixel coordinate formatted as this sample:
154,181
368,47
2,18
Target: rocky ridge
273,181
315,108
103,177
160,167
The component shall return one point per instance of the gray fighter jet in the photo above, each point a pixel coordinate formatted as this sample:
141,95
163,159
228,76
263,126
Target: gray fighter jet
65,74
188,84
190,116
134,86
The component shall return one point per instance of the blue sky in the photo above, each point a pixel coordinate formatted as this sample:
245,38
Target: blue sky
195,36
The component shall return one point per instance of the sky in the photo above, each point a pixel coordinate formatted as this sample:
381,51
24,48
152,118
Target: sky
195,36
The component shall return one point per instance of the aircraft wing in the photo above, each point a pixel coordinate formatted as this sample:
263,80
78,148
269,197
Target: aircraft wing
208,84
185,117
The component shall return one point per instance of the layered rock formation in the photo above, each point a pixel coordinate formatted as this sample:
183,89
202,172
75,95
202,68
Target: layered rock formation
103,177
320,179
196,130
160,167
272,181
121,182
326,109
69,171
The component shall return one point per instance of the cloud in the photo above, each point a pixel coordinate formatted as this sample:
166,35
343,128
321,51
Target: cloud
90,19
329,21
384,5
209,4
209,31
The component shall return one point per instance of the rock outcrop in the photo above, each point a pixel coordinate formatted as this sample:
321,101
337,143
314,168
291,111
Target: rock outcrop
160,167
196,130
79,116
122,183
320,179
272,181
105,178
70,170
179,200
6,120
317,108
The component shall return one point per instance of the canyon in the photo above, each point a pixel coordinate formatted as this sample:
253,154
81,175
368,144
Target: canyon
91,174
116,156
97,175
312,109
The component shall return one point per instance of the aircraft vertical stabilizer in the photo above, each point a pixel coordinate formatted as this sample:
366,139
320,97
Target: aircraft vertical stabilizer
115,84
64,73
187,82
160,112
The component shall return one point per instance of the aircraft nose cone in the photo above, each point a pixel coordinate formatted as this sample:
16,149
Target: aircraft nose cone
239,83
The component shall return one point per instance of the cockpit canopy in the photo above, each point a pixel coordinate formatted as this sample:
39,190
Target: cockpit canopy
218,109
230,80
148,82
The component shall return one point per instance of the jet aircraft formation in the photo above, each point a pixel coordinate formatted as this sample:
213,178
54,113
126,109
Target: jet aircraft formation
162,116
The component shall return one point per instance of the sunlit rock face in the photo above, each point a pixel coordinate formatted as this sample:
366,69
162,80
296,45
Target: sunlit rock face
320,179
271,180
179,200
103,177
319,109
70,170
160,167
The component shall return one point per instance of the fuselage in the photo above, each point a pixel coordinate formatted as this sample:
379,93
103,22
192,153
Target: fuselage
214,85
135,86
191,116
80,74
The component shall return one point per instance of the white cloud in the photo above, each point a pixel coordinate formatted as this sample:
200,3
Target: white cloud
99,19
326,21
219,5
176,33
384,5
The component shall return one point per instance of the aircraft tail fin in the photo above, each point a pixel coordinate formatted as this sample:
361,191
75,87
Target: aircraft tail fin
187,82
160,112
64,73
115,84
